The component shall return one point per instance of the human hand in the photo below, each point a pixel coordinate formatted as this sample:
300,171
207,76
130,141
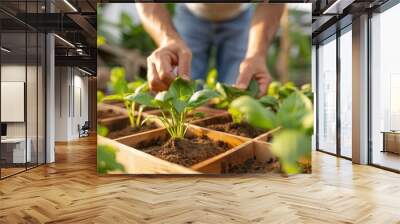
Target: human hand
161,64
254,68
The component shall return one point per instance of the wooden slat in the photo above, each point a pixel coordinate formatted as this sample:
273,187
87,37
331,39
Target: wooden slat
138,162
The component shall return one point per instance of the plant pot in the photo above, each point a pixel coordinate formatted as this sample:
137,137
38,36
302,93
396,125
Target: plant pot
225,119
225,164
135,141
138,162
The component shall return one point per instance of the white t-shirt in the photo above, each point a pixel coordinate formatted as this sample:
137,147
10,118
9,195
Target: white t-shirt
217,11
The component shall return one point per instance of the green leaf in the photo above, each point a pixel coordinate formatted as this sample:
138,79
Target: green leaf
102,130
142,88
118,81
163,96
253,90
294,110
287,90
142,98
253,112
273,88
133,86
114,97
212,78
179,105
181,89
269,101
291,146
100,96
201,97
106,160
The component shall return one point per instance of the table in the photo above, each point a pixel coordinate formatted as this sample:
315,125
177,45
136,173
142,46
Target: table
18,149
391,141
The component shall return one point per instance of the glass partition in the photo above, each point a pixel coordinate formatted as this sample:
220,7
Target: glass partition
22,88
346,93
385,89
327,96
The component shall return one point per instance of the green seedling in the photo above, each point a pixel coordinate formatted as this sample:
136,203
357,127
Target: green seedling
122,88
180,99
106,160
228,93
295,118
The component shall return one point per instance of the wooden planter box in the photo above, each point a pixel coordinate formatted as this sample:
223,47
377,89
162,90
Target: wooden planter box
260,151
120,121
226,117
147,164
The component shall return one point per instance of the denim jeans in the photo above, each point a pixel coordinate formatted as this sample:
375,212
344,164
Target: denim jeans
229,38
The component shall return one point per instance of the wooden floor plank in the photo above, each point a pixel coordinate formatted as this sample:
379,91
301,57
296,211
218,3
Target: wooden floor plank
70,191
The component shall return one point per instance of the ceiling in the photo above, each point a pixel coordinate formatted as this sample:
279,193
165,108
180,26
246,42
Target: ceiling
72,20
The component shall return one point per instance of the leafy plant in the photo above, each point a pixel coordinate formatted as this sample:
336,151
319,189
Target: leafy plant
106,160
295,117
228,93
180,99
121,89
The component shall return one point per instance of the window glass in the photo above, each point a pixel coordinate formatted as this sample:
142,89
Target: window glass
345,94
385,92
327,96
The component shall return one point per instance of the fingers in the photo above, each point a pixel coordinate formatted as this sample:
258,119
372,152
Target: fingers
155,82
263,81
244,78
163,65
184,64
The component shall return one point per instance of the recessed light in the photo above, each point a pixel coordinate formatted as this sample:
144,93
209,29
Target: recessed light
64,40
70,5
5,50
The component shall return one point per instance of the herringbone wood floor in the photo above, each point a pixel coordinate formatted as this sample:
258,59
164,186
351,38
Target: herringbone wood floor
70,191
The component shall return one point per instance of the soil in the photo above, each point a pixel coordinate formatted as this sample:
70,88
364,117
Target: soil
242,129
187,151
107,113
252,166
128,130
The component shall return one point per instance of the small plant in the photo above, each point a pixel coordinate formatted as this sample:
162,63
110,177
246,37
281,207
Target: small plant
121,89
228,93
106,160
180,99
295,118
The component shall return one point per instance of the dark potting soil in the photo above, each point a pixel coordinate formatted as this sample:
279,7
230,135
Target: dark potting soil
242,129
253,166
187,151
107,113
128,130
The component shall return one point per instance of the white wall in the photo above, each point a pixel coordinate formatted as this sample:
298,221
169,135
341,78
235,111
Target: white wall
70,83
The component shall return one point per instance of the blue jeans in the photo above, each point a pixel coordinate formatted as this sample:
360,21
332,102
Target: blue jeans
229,38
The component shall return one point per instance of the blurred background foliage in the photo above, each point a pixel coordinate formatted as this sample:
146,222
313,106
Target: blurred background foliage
289,56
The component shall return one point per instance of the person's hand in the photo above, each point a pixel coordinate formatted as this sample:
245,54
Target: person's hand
253,68
162,62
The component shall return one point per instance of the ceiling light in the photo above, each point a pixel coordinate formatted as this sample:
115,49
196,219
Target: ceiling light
65,41
5,50
70,5
84,71
338,6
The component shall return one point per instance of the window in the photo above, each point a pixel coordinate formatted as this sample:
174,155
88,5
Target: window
385,89
327,96
346,93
